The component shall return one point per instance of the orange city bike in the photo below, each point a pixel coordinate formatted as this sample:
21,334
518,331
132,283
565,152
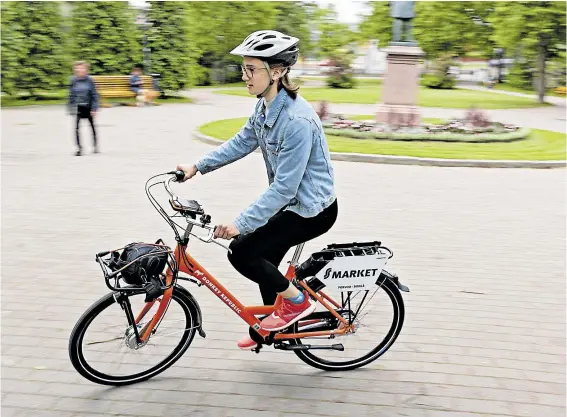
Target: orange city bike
148,321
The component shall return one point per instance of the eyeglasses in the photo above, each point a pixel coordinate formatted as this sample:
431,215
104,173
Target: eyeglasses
249,71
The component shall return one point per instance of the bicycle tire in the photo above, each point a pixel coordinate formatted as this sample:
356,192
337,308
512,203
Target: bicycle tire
87,371
397,323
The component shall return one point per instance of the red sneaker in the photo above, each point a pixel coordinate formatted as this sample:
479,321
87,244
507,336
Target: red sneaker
288,313
247,343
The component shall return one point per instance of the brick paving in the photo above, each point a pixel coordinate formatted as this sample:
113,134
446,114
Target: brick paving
482,250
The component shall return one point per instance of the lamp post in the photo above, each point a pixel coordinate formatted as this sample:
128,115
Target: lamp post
499,55
220,70
146,50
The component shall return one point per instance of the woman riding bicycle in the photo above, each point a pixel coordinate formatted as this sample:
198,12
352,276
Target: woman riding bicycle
300,203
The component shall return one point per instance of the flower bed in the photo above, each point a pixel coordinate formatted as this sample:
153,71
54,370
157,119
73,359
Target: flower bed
474,127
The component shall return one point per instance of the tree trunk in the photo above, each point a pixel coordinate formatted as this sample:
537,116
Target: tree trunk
541,73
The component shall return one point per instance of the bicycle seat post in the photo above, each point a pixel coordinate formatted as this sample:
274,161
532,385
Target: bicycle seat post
297,254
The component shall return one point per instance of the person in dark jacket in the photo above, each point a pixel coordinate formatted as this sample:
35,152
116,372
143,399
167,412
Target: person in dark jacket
83,101
143,96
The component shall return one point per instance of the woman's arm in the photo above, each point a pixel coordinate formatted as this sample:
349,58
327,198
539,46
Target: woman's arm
240,145
291,164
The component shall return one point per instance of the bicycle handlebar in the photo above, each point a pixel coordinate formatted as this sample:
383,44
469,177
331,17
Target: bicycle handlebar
178,176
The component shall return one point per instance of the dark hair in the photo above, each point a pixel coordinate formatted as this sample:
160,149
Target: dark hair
139,66
285,83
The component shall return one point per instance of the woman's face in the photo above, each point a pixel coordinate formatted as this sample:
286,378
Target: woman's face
256,75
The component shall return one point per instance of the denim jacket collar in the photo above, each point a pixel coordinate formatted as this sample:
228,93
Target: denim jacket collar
276,107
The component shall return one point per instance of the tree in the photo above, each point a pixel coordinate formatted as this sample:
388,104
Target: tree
378,24
335,43
33,58
105,34
169,42
334,36
455,27
216,28
534,30
292,19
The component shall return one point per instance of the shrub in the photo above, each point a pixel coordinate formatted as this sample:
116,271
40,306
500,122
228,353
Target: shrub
440,77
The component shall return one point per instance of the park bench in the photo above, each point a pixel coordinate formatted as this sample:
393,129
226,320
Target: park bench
118,86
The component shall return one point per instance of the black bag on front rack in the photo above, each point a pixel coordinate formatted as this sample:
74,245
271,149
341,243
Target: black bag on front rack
152,261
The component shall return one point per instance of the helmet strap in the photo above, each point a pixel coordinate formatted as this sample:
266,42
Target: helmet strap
263,93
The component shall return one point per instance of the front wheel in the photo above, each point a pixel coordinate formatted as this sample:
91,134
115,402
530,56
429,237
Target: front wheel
378,316
103,348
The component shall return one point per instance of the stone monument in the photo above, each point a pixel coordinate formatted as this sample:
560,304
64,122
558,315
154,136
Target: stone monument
401,83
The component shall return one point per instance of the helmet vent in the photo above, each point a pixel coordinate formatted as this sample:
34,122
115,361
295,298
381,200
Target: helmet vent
263,47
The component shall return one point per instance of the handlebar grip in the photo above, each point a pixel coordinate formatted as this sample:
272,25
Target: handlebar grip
101,254
179,175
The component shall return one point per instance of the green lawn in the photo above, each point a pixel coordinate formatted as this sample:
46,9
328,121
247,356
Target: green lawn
369,92
60,98
541,144
506,87
227,85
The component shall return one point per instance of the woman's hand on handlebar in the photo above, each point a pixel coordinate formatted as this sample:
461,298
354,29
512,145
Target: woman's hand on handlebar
189,170
226,231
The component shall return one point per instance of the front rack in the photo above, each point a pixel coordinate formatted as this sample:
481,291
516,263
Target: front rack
113,277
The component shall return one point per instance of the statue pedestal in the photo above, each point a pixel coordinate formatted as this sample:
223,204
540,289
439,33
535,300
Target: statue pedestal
401,84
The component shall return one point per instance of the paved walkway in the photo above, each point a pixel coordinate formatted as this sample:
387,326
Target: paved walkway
556,101
482,250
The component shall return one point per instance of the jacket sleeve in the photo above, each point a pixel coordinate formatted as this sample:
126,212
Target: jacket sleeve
292,162
71,98
95,95
240,145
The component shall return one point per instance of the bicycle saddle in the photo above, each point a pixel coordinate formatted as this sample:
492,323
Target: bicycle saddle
186,207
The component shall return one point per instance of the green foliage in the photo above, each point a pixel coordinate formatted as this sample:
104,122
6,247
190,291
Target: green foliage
378,24
33,58
532,31
215,28
293,19
168,38
455,27
341,80
105,34
539,145
335,38
440,77
433,137
341,75
520,75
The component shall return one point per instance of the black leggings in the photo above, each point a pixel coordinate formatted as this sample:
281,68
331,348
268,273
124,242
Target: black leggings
84,114
257,255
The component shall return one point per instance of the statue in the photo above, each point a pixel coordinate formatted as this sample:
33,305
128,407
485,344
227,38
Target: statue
403,13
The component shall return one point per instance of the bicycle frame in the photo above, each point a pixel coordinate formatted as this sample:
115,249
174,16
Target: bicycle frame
188,265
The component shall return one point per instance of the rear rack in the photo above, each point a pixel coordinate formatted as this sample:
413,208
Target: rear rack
318,260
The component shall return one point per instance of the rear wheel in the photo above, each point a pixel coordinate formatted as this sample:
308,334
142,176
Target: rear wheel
103,347
378,316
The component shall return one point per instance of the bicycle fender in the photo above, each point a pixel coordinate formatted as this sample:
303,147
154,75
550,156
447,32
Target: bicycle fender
393,278
193,301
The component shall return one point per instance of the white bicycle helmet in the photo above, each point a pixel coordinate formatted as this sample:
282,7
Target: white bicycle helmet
271,46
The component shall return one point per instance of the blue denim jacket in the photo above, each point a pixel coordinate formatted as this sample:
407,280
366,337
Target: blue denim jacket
297,158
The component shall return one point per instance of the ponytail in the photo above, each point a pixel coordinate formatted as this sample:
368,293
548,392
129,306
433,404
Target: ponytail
288,86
